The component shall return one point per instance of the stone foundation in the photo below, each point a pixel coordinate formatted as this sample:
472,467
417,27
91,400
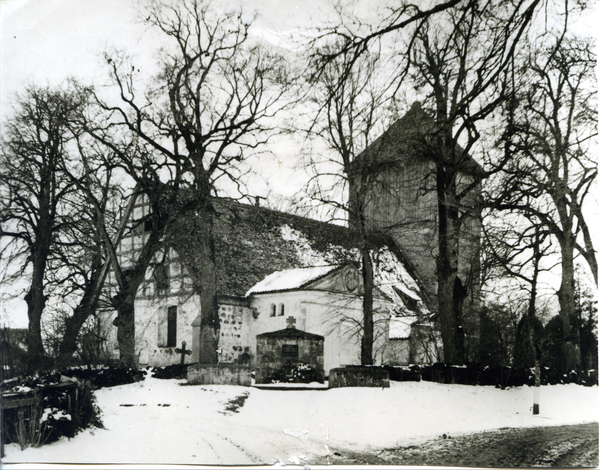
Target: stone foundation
223,374
359,376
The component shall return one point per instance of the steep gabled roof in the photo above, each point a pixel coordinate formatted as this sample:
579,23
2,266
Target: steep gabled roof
411,136
253,242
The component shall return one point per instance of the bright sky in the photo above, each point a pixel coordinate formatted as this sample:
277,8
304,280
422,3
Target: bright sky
47,41
53,39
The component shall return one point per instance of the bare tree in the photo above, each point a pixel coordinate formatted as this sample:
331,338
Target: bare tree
554,170
210,105
348,108
459,66
455,54
522,255
36,194
95,217
354,38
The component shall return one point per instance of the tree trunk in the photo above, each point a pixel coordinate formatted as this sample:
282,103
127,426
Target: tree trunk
85,309
192,237
566,300
366,349
210,325
36,302
125,323
535,336
450,307
68,345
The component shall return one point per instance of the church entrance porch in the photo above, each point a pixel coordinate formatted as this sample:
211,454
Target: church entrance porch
289,356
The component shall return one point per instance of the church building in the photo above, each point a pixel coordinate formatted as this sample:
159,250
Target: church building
277,271
271,267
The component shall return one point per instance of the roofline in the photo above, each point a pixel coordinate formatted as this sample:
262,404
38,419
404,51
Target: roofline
475,168
298,289
234,202
301,287
279,291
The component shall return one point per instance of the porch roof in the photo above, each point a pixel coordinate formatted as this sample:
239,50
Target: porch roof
290,279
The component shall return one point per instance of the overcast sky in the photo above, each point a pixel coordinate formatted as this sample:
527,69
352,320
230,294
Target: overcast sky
47,41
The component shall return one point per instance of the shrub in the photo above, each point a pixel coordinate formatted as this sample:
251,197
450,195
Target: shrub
52,406
105,376
53,411
499,376
295,373
175,371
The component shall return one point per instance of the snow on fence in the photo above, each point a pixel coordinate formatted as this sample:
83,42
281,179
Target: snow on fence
31,417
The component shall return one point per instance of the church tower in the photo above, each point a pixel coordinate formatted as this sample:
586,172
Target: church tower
395,182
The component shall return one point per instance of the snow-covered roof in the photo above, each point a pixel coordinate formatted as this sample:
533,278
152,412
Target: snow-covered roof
400,327
390,274
290,279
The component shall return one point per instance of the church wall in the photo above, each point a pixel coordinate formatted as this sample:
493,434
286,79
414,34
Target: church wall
152,324
239,233
402,192
403,203
151,329
425,344
235,335
333,316
110,333
397,352
152,319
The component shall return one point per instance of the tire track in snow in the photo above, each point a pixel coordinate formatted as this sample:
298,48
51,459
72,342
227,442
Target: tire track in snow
253,458
211,447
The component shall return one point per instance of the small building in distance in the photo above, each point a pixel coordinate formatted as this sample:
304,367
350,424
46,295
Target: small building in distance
13,350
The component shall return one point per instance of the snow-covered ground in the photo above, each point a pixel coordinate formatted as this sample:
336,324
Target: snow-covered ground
167,421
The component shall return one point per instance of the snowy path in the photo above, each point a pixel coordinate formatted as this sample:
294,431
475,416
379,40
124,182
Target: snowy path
165,422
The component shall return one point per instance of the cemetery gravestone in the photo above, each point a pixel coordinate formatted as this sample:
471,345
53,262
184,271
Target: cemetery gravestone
183,351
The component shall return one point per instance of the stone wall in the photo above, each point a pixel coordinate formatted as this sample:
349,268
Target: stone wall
359,376
223,374
235,325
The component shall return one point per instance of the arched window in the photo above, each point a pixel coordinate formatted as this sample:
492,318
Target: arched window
273,310
281,310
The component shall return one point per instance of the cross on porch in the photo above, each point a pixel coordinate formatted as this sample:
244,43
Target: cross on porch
183,351
291,321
